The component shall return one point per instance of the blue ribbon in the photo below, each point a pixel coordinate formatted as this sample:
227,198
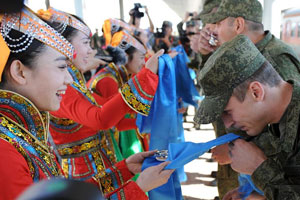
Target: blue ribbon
185,87
162,123
247,186
183,153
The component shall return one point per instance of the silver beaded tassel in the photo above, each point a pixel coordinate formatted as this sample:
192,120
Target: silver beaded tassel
17,45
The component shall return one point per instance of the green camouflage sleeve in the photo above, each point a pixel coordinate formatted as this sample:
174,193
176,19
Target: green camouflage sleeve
203,59
286,67
270,178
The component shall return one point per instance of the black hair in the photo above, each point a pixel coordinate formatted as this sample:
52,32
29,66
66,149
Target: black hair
266,75
117,54
27,57
130,51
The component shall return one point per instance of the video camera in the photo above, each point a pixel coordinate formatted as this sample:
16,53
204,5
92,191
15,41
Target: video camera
135,11
160,32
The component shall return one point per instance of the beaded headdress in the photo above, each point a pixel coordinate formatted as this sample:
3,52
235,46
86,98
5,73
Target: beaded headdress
111,26
4,52
64,19
32,27
124,40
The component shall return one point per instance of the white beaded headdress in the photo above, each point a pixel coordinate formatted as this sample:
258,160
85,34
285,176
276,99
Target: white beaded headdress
64,19
32,27
124,40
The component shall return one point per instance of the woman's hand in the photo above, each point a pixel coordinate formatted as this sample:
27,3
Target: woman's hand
134,162
154,177
152,63
93,62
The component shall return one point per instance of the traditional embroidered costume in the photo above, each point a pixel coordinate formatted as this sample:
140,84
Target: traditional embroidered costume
24,152
106,84
77,127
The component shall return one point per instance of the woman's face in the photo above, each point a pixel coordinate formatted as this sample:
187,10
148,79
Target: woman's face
81,43
136,63
47,79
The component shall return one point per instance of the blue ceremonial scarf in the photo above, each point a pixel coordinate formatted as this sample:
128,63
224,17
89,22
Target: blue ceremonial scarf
185,87
162,124
247,186
179,155
183,153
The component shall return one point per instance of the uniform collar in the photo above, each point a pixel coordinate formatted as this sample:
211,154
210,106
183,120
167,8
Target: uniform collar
288,124
263,43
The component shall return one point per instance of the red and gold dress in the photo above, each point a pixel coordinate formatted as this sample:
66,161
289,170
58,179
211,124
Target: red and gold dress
24,151
106,83
77,130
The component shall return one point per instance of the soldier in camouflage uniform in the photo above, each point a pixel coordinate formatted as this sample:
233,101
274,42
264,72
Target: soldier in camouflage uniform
235,17
243,88
226,177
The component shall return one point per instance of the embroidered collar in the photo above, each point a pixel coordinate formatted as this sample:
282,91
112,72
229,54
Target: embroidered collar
120,72
79,84
22,112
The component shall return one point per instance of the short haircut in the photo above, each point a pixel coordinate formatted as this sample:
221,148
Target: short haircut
266,75
254,26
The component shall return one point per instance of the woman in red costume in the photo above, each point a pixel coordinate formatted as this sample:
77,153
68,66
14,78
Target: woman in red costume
76,126
33,76
129,58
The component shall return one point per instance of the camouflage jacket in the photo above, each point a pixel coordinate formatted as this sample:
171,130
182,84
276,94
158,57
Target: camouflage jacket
279,175
279,146
280,55
282,58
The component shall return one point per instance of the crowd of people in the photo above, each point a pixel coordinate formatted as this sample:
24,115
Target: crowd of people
61,122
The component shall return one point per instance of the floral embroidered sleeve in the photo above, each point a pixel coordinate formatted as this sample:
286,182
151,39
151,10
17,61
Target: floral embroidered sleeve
124,188
139,91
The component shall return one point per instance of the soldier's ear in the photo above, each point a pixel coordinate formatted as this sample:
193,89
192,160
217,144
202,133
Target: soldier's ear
239,25
257,91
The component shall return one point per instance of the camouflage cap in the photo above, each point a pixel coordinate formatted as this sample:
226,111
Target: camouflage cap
208,6
233,63
248,9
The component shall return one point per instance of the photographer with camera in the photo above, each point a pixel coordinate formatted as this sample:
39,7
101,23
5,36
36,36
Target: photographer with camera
186,35
146,36
136,15
191,25
164,38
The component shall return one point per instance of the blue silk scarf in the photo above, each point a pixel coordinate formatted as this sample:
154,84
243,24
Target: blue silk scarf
179,155
185,87
247,186
162,123
182,153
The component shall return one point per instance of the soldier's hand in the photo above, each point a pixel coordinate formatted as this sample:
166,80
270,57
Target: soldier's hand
232,195
255,196
154,177
199,43
221,154
245,156
152,63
